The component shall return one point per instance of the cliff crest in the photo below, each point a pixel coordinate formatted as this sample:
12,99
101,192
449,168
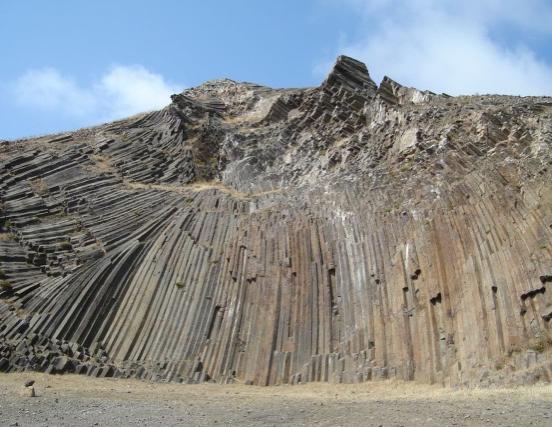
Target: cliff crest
346,233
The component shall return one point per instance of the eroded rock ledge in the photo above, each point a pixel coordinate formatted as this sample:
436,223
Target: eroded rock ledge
346,233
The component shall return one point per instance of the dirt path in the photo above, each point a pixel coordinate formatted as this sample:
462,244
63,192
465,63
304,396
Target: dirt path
75,400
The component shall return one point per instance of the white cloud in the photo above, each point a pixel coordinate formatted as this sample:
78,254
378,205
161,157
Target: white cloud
120,92
451,46
47,89
130,90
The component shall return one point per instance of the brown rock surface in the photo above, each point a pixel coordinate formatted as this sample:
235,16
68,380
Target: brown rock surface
342,233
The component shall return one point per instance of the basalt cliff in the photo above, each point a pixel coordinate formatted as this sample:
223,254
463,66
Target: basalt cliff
348,232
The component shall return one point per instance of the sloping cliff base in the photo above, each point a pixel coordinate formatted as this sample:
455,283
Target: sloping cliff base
71,400
344,233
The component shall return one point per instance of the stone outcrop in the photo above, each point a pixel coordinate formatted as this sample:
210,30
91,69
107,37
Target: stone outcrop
348,232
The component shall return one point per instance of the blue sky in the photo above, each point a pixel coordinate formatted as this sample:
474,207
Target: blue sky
68,64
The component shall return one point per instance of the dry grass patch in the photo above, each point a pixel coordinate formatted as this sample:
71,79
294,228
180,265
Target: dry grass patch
376,390
100,163
39,186
197,187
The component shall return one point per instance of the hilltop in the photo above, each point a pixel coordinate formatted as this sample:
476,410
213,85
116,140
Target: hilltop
345,233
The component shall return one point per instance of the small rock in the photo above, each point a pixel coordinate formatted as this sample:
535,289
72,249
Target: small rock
28,392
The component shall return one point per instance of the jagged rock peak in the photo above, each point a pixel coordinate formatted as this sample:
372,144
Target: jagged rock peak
351,74
388,90
394,93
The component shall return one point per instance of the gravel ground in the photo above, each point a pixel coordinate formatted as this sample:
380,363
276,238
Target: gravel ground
75,400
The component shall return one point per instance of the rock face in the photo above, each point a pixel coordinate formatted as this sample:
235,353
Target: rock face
343,233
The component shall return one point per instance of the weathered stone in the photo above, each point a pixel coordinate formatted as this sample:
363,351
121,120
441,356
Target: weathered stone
4,364
64,365
28,392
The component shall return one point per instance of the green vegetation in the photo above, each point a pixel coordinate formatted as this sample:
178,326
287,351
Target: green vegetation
5,285
65,246
540,344
405,167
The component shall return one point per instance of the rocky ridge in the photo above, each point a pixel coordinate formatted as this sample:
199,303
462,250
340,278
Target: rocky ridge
345,233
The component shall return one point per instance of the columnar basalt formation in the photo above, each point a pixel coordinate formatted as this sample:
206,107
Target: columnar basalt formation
345,233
